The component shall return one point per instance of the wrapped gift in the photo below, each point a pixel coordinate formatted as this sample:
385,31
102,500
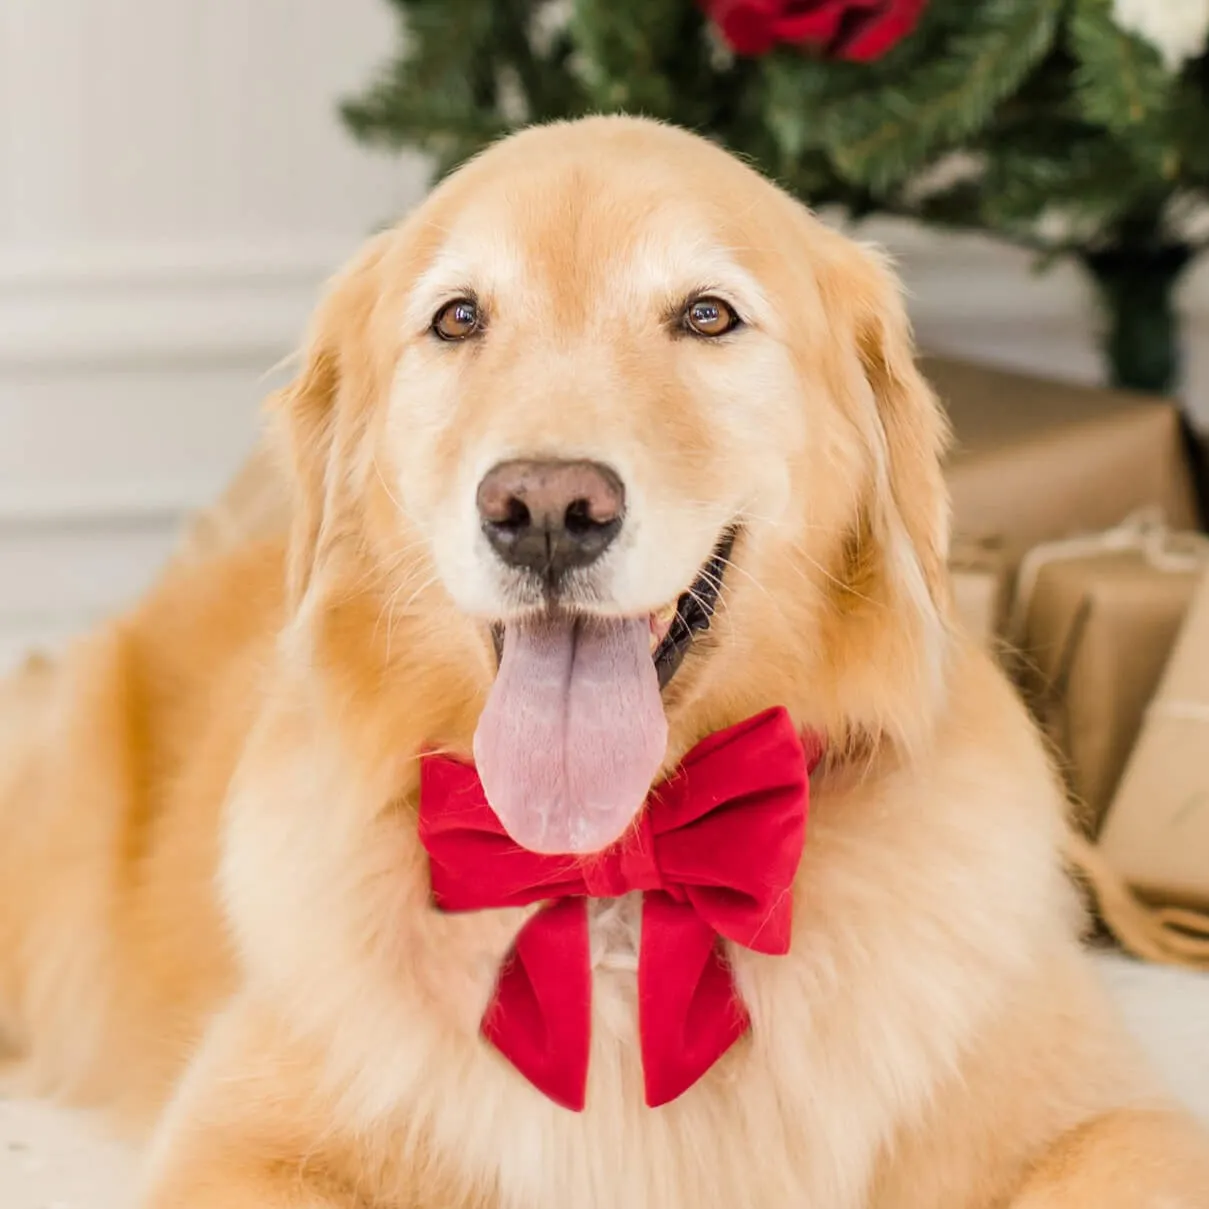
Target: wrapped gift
1036,460
1094,622
1156,833
981,577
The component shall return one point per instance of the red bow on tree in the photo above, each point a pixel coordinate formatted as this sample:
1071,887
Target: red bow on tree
860,30
715,851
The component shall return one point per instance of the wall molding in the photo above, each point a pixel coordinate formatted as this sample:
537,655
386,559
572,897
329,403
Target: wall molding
73,308
953,274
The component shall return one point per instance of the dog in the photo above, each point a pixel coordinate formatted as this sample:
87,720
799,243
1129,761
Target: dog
613,492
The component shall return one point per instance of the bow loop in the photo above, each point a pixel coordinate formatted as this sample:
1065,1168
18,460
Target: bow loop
752,809
540,1017
715,852
473,863
689,1011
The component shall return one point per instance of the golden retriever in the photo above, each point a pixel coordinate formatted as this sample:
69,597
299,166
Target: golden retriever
608,447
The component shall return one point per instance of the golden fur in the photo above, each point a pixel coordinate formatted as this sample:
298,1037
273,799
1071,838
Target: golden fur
214,915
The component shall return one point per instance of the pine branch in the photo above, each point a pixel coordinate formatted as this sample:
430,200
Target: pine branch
1122,85
796,91
887,133
648,57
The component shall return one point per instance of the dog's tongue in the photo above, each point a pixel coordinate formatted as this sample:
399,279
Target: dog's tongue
573,732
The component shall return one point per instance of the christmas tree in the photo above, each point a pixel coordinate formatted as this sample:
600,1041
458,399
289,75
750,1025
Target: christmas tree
1075,128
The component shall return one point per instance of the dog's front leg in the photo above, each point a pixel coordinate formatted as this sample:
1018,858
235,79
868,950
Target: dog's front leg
228,1172
238,1188
1130,1159
255,1125
234,1148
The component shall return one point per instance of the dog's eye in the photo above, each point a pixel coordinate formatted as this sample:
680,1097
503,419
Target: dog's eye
457,319
710,317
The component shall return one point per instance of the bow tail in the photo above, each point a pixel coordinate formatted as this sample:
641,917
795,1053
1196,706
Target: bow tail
540,1016
689,1009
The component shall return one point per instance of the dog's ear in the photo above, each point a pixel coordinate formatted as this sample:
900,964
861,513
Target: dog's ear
893,610
908,436
322,414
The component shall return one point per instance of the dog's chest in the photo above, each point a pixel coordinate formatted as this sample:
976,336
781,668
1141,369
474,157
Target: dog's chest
615,932
762,1129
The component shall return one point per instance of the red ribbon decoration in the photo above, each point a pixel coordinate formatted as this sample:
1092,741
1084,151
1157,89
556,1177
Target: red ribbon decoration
715,851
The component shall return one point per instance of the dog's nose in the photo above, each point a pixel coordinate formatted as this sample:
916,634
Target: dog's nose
550,516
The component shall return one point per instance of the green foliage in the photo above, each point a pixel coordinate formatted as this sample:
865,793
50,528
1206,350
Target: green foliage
1074,134
1121,85
880,135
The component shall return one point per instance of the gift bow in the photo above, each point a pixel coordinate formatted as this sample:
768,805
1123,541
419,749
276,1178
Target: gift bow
714,852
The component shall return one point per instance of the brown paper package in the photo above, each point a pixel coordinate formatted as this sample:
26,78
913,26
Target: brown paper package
1096,637
1156,834
981,576
1035,460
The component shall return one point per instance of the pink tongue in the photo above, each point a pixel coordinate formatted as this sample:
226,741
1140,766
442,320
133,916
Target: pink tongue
573,732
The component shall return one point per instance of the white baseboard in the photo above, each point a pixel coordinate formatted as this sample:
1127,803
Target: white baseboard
56,578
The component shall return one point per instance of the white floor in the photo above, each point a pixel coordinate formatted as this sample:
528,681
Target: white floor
54,1160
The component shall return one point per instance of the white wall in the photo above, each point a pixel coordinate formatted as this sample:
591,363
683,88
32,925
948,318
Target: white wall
174,187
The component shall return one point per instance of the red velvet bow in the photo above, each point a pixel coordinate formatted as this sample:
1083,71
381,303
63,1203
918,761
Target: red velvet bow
715,850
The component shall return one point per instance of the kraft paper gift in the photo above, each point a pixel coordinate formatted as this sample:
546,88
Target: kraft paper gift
1094,622
1156,834
1036,460
981,577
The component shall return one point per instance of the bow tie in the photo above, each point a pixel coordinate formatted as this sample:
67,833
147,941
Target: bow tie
714,850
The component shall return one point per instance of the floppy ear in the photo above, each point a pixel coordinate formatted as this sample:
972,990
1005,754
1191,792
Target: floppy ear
322,414
908,435
891,621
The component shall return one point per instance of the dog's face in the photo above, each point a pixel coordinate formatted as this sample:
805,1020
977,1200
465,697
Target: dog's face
612,370
605,387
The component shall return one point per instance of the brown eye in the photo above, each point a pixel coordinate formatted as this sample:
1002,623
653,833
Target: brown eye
457,319
710,317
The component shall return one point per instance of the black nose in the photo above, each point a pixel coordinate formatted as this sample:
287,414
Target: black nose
550,517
